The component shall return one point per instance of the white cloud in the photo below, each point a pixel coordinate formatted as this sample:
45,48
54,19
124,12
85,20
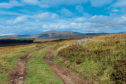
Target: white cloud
46,16
80,27
8,13
59,2
66,12
79,8
6,34
50,3
92,24
80,19
51,21
18,19
115,10
97,3
120,3
10,4
31,1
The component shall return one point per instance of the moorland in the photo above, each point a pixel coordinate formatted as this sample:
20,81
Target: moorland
89,60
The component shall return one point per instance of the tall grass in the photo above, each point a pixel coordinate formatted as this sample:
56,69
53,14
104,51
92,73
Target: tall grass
9,56
98,58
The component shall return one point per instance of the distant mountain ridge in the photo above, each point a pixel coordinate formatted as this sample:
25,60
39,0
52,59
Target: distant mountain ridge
64,34
55,35
58,34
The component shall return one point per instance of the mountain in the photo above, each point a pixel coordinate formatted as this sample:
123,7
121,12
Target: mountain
55,35
64,34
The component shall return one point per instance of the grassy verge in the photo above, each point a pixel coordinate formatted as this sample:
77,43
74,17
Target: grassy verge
58,48
102,59
9,57
38,70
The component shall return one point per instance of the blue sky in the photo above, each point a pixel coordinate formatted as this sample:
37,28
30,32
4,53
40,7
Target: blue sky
86,16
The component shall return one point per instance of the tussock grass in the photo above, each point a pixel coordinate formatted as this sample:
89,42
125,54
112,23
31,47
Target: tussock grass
59,46
97,59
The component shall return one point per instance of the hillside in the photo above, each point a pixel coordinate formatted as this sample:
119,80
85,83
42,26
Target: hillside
101,59
64,34
55,35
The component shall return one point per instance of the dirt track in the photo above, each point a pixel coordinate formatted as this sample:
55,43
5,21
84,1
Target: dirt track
65,74
18,73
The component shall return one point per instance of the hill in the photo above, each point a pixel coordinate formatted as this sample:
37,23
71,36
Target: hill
101,59
64,34
55,35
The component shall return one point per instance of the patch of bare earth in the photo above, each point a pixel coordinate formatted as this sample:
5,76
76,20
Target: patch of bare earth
18,73
66,75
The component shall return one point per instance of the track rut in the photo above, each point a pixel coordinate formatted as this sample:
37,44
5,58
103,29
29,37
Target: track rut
66,75
19,72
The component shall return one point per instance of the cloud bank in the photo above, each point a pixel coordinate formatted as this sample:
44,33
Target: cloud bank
35,16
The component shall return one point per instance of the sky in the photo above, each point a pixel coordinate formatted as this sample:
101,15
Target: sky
27,17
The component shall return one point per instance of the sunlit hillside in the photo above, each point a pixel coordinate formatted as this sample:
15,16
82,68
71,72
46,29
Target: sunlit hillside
92,60
101,59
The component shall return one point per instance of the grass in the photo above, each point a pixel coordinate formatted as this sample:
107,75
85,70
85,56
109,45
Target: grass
98,58
9,56
59,46
102,59
39,71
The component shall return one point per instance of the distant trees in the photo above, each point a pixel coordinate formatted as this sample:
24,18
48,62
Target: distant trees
15,41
